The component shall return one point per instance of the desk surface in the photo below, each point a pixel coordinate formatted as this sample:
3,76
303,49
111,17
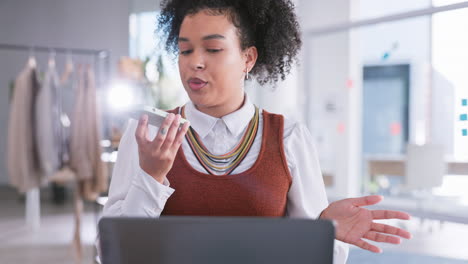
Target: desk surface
395,165
392,157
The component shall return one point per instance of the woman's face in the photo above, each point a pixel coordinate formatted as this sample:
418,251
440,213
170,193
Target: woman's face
211,63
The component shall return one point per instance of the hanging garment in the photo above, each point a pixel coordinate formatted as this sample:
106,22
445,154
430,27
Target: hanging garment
23,161
79,160
66,93
48,132
86,151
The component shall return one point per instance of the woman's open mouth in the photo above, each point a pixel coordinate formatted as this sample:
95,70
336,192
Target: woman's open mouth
196,84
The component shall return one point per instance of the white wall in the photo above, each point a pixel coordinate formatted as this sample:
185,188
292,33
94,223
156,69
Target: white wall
431,95
450,58
378,8
328,63
332,60
413,37
84,24
139,6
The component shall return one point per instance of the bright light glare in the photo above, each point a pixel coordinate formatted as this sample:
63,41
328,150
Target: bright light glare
109,156
120,96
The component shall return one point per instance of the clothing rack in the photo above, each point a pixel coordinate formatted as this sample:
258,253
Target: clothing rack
101,64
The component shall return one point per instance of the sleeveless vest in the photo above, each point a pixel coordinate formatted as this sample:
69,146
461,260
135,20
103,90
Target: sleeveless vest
259,191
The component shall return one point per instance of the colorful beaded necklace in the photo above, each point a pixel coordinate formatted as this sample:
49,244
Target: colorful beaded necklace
225,163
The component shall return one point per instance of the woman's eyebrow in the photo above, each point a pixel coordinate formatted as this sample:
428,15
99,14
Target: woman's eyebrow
182,39
209,37
214,36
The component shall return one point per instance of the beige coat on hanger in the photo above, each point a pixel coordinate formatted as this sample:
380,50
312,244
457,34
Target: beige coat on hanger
85,149
22,162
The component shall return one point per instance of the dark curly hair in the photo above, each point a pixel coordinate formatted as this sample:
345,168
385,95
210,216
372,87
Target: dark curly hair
269,25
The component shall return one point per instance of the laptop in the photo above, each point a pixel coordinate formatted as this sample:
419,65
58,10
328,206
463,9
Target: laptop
206,240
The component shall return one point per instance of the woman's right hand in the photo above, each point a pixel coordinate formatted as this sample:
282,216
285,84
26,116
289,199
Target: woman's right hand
157,156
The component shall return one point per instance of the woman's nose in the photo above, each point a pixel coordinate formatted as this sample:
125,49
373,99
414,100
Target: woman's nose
197,61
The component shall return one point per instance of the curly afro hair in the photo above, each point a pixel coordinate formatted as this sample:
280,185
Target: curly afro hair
269,25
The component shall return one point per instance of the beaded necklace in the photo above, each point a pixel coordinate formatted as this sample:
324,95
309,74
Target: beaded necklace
224,163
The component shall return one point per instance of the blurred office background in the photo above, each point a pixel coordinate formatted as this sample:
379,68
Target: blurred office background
382,86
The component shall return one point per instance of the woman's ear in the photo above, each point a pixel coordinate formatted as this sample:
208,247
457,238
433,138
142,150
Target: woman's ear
251,57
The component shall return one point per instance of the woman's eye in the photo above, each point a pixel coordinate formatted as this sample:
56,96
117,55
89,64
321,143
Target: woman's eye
213,50
185,52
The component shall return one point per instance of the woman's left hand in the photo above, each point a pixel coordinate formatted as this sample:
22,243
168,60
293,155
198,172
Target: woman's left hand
355,223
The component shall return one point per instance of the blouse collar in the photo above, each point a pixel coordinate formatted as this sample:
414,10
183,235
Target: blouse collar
236,121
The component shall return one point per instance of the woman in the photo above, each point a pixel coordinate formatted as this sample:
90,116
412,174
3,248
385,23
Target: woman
235,159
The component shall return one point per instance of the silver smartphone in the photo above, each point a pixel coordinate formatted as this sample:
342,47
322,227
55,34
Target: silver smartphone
155,116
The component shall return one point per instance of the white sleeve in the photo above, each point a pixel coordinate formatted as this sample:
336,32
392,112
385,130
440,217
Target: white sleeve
133,192
306,197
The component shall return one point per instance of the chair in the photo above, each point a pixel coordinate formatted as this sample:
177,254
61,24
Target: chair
425,167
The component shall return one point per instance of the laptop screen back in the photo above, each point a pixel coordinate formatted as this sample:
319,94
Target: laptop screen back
197,240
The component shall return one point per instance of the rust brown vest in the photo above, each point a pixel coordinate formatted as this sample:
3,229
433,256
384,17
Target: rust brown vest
259,191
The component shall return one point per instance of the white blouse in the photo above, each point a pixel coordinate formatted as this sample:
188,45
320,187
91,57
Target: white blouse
134,193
